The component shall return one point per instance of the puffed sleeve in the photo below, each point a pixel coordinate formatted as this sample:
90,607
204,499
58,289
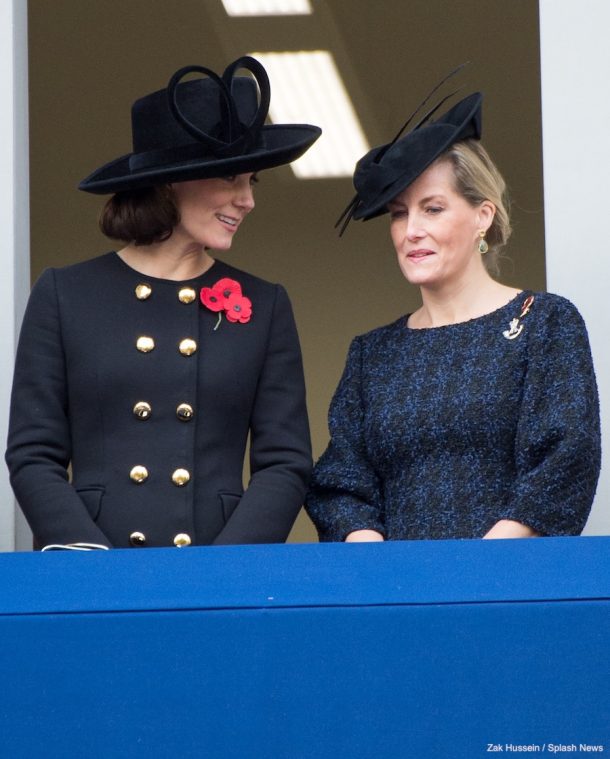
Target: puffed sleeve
280,445
39,441
557,448
345,490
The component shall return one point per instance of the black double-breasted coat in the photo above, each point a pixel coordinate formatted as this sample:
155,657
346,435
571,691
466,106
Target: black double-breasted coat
154,431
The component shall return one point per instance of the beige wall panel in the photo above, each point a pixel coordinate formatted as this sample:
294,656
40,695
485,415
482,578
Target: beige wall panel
90,60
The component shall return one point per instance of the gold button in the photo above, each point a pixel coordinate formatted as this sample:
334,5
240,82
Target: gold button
182,539
137,539
145,344
180,477
187,346
139,474
143,291
142,410
184,412
186,295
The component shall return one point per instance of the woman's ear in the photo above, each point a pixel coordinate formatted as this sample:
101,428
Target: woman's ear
486,213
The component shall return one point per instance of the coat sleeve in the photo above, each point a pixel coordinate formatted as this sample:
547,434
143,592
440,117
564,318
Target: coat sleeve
557,448
280,446
39,441
345,493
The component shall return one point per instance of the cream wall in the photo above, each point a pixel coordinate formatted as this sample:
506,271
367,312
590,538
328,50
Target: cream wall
14,222
575,64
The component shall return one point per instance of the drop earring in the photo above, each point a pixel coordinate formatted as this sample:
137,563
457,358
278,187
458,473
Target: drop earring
483,246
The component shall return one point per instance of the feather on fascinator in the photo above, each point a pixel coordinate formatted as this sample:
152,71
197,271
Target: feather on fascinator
385,171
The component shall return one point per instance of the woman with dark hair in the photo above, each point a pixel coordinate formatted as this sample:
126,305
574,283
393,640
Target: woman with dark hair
475,416
146,370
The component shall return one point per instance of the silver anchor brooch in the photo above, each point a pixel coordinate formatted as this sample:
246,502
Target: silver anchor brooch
515,328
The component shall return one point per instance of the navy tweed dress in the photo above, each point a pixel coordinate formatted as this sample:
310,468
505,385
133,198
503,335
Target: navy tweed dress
441,432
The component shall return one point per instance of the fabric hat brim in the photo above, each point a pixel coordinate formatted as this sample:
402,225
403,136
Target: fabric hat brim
278,144
377,182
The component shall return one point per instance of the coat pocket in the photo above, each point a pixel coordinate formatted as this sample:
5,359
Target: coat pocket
229,502
92,498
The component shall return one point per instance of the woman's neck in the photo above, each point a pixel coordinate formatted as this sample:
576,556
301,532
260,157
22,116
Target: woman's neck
168,259
460,302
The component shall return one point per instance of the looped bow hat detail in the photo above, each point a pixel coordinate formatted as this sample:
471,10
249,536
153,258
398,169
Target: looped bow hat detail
203,128
385,171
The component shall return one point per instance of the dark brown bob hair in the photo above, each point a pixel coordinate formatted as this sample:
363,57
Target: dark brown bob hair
141,217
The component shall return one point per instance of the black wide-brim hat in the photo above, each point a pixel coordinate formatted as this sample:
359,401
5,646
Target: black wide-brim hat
203,128
385,171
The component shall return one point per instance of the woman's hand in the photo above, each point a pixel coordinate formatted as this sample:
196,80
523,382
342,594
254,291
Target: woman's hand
364,536
507,528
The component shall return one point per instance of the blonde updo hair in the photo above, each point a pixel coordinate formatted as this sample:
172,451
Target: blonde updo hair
477,179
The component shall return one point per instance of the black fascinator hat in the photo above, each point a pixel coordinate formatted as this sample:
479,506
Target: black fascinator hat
201,128
385,171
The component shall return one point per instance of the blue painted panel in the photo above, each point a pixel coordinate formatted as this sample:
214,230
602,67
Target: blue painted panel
307,575
383,681
424,649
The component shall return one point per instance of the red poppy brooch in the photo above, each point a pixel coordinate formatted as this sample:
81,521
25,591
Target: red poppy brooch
226,297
